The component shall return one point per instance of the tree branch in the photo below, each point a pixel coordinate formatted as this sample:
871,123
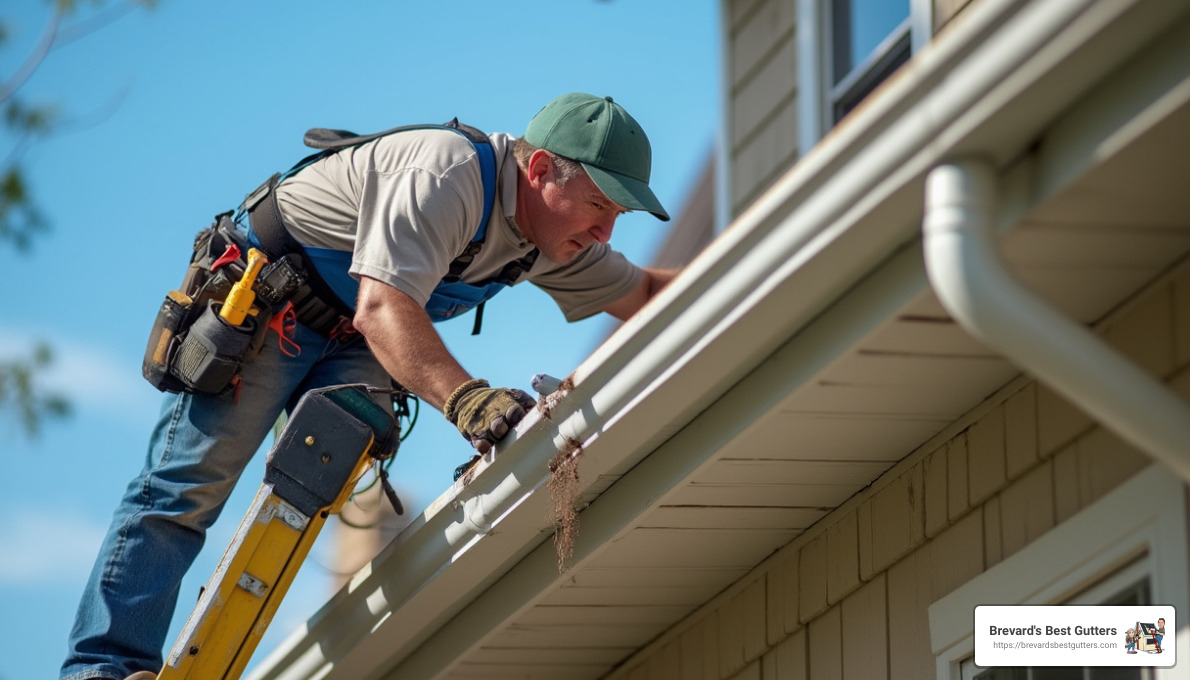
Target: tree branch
55,35
35,58
95,22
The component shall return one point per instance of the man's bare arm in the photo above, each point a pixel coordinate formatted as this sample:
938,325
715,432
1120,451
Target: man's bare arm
403,338
653,281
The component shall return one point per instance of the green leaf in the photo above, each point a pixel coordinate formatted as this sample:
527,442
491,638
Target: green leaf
20,220
24,398
36,120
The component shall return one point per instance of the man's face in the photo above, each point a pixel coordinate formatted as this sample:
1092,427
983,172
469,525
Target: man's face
572,217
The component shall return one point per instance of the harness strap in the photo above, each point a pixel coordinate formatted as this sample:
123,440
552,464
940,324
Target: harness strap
513,270
315,303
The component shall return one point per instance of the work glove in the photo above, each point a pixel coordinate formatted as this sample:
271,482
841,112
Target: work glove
485,414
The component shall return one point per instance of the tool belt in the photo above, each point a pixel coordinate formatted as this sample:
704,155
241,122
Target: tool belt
191,348
316,305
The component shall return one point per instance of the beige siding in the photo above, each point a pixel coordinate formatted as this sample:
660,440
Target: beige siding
908,623
865,632
957,500
1020,432
935,479
738,10
763,156
761,69
945,10
842,544
811,579
1181,314
752,672
755,620
786,661
756,100
895,526
731,636
1027,508
849,597
762,112
987,468
762,120
760,30
826,646
1059,423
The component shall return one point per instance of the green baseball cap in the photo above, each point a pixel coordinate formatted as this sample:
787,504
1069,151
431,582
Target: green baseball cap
599,134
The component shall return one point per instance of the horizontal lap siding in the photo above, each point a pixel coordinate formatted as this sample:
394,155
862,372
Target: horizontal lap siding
762,114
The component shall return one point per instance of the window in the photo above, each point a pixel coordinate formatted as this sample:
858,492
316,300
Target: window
1128,547
848,47
869,40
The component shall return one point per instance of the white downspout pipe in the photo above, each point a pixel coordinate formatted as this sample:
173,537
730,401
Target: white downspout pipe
970,279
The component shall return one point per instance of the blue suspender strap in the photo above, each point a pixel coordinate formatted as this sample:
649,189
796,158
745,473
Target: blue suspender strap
487,172
275,238
332,265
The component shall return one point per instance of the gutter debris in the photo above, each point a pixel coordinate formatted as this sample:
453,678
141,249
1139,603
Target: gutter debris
563,482
564,494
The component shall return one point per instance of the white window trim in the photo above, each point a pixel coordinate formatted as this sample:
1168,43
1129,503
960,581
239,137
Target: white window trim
813,59
921,23
810,74
1144,521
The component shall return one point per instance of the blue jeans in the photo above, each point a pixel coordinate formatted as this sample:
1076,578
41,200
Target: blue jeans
197,451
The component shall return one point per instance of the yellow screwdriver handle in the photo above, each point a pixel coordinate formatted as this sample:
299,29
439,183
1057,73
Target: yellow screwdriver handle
239,301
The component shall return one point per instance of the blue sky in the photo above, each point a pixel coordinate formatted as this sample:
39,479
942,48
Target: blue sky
172,115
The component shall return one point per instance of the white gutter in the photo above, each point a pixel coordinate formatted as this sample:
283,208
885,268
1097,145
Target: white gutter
973,284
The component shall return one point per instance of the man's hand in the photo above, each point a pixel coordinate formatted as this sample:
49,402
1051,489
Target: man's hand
485,414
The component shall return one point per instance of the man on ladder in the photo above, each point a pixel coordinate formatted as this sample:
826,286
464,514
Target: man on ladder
365,244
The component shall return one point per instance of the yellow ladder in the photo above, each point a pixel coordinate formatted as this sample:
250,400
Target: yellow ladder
329,442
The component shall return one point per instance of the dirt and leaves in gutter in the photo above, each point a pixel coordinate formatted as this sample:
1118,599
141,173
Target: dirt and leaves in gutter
563,484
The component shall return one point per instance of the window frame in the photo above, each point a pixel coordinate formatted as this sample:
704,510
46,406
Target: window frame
892,51
1142,522
817,95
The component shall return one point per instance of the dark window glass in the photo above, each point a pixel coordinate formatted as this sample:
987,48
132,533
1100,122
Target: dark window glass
859,27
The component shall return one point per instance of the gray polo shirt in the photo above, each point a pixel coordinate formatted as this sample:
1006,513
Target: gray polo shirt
406,205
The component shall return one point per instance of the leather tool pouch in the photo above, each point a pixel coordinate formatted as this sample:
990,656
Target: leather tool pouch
191,348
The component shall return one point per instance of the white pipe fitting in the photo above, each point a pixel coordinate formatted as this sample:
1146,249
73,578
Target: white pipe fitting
972,282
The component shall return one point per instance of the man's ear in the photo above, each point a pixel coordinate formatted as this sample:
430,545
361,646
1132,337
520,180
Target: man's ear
540,166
